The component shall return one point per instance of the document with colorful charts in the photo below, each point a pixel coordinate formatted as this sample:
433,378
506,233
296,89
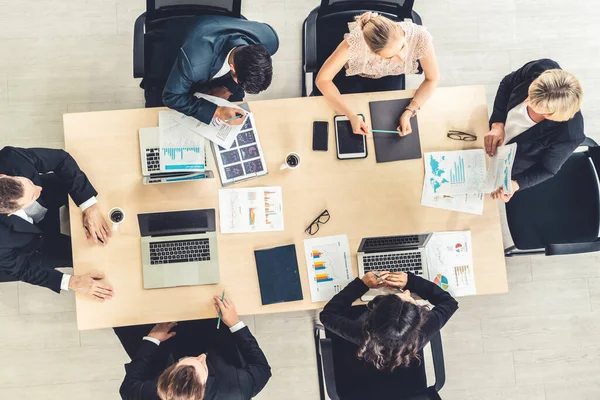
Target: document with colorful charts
180,148
258,209
329,266
450,262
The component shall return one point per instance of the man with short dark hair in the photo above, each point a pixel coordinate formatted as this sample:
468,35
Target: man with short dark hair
199,363
34,184
214,54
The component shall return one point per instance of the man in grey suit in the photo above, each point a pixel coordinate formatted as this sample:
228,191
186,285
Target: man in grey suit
219,55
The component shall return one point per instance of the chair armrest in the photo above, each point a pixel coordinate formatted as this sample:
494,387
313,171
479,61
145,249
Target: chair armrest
328,369
310,42
589,142
572,248
138,46
437,353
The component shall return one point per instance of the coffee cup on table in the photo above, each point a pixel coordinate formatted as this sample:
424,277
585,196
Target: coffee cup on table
116,216
291,161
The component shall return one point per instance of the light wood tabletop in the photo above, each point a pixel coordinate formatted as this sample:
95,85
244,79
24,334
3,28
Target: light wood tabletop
364,199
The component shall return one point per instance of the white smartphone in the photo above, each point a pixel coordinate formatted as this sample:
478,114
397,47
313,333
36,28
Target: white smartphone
348,144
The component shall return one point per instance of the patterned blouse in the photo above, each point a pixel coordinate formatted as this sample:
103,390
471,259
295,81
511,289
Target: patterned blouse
362,61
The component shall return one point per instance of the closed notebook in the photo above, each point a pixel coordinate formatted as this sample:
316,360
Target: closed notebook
278,274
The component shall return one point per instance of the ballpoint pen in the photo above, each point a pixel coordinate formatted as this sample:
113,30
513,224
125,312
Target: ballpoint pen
379,277
236,117
88,230
384,131
221,313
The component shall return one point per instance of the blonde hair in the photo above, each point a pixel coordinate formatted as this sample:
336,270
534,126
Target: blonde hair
379,31
556,92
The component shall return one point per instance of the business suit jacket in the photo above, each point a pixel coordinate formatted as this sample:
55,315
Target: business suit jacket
543,148
334,315
20,241
225,381
202,55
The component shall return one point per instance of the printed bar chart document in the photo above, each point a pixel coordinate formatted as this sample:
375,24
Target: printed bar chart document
246,210
329,266
181,148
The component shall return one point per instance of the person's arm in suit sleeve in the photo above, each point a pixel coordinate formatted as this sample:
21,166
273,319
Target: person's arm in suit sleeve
444,304
257,372
334,314
63,166
28,269
139,381
178,95
512,80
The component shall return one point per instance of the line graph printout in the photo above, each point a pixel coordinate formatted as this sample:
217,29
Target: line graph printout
181,148
499,171
258,209
329,266
455,172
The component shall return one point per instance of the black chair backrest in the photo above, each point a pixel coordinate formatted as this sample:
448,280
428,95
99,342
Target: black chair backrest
159,9
401,8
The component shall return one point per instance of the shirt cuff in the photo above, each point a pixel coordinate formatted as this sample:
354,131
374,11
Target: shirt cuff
64,283
151,339
88,203
237,327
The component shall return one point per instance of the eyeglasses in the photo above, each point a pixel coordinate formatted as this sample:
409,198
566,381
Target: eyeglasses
314,226
458,135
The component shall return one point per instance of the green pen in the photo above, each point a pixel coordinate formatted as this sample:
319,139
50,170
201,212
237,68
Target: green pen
384,131
379,277
220,313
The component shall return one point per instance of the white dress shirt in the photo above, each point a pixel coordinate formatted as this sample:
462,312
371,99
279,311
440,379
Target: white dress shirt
64,283
233,329
225,68
517,122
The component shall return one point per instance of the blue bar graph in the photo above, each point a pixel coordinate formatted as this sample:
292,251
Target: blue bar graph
457,174
174,152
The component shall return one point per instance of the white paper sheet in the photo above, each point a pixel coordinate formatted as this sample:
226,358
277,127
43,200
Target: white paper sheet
450,262
258,209
181,148
499,171
329,266
466,203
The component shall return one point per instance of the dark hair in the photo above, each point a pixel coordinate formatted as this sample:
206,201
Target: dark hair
180,382
11,191
391,332
253,68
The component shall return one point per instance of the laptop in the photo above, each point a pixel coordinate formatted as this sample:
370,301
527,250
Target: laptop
179,248
402,253
150,157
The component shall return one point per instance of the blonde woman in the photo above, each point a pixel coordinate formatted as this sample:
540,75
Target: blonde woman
537,107
374,48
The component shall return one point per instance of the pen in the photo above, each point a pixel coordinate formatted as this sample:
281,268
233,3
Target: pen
384,131
379,277
220,313
101,241
236,117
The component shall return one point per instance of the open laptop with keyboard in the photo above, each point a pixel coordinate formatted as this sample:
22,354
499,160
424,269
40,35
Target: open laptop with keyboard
402,253
179,248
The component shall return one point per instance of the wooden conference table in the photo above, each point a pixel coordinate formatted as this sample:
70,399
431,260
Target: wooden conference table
364,199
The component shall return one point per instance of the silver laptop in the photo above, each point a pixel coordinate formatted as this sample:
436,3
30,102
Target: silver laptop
402,253
179,248
150,158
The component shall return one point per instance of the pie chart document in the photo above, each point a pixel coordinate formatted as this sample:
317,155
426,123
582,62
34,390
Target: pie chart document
450,262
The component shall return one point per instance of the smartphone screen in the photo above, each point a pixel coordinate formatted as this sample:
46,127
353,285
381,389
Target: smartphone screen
320,135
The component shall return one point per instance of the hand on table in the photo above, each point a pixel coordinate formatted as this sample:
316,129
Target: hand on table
95,226
225,113
229,315
493,139
89,285
161,332
220,91
375,279
499,194
396,280
359,126
404,128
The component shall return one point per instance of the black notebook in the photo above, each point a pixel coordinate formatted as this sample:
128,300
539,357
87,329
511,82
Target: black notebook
385,115
278,274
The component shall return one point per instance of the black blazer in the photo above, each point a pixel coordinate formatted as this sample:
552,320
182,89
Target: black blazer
334,314
225,381
544,148
20,241
202,55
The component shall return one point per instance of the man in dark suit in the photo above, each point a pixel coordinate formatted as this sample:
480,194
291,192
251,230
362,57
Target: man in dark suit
34,184
537,107
218,55
180,368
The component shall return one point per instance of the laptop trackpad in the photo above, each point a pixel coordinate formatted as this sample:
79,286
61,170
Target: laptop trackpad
184,274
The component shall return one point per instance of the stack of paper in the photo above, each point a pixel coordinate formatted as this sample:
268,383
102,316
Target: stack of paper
257,209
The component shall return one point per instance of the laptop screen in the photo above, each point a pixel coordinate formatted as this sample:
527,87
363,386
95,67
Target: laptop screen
177,222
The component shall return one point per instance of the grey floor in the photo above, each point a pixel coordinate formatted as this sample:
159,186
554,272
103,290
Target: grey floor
539,341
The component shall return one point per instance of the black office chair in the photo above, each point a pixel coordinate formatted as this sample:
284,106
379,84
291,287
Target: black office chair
342,376
158,14
562,214
324,28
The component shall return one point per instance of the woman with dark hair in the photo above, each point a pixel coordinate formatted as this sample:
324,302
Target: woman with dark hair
394,328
